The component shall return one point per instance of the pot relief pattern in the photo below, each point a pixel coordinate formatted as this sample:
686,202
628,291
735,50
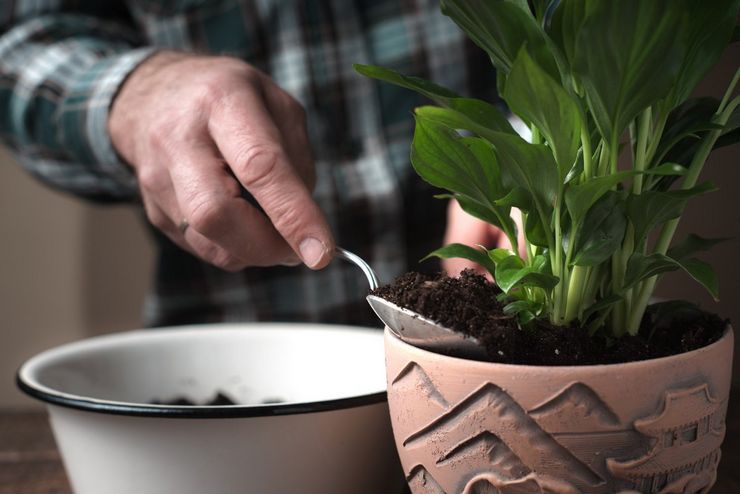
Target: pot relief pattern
487,443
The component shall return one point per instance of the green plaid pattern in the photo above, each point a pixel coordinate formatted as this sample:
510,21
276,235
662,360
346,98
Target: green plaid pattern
61,62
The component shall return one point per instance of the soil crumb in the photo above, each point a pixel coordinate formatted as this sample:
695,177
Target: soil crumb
220,399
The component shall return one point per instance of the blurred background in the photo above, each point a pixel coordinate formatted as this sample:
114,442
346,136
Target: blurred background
70,270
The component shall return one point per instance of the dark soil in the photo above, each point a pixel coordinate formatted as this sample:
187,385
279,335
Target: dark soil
468,304
180,401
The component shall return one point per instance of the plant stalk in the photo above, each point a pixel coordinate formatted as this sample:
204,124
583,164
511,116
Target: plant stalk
669,229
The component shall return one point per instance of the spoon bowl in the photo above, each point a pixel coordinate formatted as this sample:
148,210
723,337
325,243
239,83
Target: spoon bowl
410,326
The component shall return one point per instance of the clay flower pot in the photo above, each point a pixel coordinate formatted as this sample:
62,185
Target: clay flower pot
652,426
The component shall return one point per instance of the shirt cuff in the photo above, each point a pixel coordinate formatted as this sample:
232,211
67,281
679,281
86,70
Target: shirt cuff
83,116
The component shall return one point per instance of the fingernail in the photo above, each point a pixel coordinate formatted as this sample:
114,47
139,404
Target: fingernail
312,251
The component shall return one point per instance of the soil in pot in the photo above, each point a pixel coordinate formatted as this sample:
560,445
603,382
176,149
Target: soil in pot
468,304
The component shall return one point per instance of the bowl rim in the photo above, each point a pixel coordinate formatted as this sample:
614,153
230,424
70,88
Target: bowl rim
36,390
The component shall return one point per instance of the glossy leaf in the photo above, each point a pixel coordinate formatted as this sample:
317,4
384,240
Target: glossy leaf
536,232
708,34
652,208
529,166
641,267
602,231
501,28
499,216
667,169
686,122
478,256
579,198
538,98
466,112
693,244
600,305
567,21
442,158
627,56
499,254
512,272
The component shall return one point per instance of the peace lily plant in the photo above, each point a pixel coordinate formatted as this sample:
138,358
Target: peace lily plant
616,150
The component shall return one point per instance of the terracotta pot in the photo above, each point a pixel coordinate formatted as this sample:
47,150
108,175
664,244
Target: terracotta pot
654,426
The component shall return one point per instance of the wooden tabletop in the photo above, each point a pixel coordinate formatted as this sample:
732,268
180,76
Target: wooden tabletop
30,462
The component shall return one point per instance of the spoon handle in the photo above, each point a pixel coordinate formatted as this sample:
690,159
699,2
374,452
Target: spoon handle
372,280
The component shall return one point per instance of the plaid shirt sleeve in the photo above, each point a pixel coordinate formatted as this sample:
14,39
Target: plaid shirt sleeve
59,72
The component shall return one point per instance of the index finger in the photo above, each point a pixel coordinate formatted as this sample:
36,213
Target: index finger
247,137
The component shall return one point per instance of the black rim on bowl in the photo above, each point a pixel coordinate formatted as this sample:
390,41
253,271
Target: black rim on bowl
54,397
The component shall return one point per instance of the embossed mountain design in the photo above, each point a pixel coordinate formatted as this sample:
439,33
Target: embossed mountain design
491,453
491,409
413,377
422,481
577,408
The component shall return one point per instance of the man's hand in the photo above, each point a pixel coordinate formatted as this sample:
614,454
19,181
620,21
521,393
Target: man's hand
196,130
465,229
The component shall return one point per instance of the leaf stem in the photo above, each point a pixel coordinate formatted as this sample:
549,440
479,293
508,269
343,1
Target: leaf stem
669,229
643,133
587,156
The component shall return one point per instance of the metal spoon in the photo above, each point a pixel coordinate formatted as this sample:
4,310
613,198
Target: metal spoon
411,327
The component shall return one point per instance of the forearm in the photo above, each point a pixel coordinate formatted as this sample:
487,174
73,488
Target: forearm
58,76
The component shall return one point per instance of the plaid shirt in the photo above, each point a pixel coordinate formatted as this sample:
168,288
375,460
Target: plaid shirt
61,62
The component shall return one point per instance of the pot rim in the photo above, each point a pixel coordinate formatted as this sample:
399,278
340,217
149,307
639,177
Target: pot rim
30,385
728,333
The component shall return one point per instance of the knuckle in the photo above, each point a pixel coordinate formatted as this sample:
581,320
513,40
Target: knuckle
205,214
227,262
150,179
258,165
157,219
211,92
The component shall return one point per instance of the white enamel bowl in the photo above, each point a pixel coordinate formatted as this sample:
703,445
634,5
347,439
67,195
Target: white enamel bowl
329,434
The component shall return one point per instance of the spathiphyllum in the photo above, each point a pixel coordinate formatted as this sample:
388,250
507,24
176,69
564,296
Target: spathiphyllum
616,150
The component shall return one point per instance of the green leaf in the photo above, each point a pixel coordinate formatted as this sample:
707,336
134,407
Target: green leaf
667,169
601,305
466,112
495,215
579,198
641,267
707,35
602,232
627,56
498,255
520,306
687,122
512,272
457,120
536,232
478,256
444,159
538,98
501,28
652,208
529,166
693,244
566,24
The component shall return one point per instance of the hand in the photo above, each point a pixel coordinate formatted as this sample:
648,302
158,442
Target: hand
196,130
465,229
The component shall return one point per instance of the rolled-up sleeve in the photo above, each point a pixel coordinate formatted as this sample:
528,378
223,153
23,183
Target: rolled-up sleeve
59,73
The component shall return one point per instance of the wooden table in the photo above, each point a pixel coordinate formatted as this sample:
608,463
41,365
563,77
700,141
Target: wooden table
30,462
